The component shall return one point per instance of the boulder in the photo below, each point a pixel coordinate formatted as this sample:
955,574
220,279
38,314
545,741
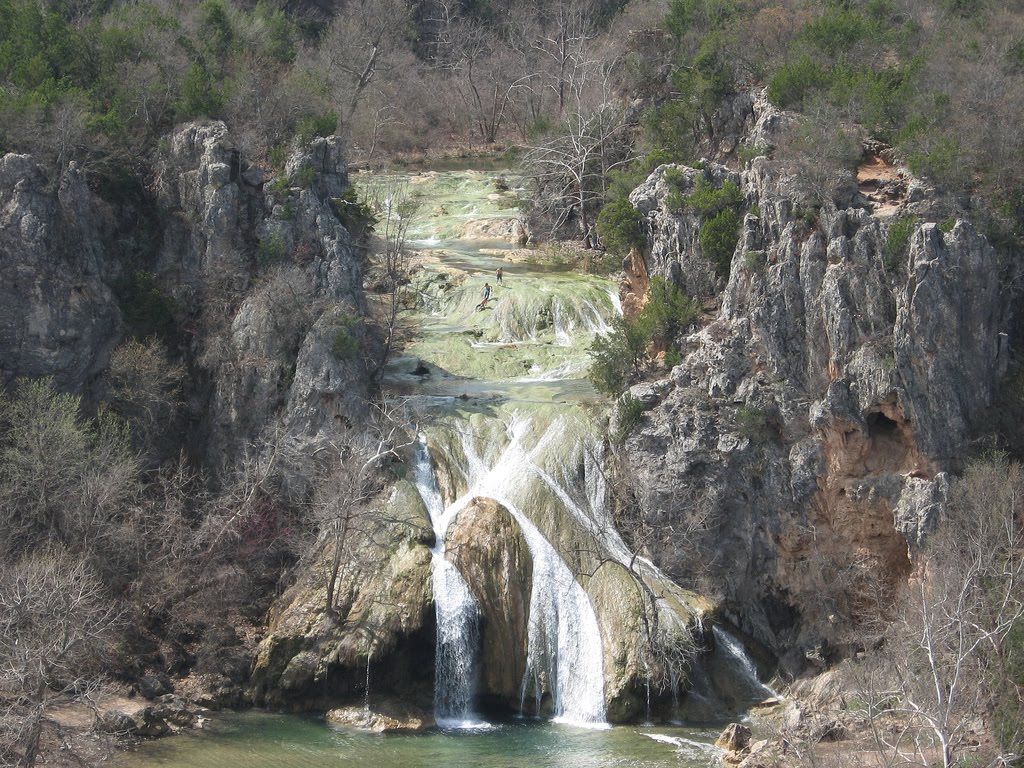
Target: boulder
388,716
734,738
487,546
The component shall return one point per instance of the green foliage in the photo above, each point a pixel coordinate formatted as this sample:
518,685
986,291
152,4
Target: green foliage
897,242
673,357
345,345
668,312
147,310
317,125
279,33
617,356
217,30
794,80
201,95
687,16
620,226
356,215
271,250
708,200
718,238
305,177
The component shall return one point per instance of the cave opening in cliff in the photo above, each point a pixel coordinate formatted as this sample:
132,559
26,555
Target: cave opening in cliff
880,425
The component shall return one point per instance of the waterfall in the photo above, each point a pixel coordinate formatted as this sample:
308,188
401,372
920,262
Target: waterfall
565,654
563,330
734,650
458,620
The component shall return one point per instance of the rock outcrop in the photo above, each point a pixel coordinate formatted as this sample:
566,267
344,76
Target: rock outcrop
487,546
58,316
313,657
811,425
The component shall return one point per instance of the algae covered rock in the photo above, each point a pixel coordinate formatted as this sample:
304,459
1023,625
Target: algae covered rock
388,716
314,657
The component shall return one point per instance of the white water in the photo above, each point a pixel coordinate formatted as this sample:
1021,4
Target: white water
734,649
565,652
458,619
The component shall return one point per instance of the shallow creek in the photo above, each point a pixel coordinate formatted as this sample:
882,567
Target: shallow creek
505,407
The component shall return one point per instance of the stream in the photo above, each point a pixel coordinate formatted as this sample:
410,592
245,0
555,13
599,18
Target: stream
506,415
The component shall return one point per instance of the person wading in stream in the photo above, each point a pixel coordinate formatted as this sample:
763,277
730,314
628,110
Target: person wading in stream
498,275
487,296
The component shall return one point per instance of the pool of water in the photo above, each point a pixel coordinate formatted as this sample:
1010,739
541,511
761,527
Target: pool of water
261,740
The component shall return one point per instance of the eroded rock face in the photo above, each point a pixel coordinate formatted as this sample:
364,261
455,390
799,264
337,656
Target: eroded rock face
487,546
315,658
58,317
271,278
811,424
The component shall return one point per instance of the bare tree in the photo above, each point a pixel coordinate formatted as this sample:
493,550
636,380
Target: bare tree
390,259
570,168
56,625
363,46
948,656
351,480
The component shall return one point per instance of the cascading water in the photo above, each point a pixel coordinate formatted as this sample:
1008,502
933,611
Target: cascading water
734,650
497,370
458,620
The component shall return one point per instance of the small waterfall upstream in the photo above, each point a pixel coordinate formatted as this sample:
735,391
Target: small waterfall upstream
458,620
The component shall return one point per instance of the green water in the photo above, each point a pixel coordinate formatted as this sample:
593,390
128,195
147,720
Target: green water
259,740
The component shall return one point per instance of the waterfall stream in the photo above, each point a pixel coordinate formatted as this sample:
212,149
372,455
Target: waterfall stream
458,620
511,423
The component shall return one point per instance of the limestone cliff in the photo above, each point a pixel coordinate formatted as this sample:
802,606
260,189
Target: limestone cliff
258,281
807,433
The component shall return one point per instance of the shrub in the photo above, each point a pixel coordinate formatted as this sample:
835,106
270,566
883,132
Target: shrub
317,125
305,176
354,214
620,226
345,345
668,312
271,250
897,242
709,200
793,81
147,310
617,356
718,238
201,95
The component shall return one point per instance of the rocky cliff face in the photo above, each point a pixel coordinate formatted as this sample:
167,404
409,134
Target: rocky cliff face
58,316
807,434
260,281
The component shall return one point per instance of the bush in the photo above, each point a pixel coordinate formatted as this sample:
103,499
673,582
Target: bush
271,250
897,243
354,214
668,311
708,200
317,125
345,346
146,309
718,238
620,226
617,356
793,81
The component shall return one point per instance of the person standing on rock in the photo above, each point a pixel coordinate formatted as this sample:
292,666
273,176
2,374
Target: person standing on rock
498,275
487,296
